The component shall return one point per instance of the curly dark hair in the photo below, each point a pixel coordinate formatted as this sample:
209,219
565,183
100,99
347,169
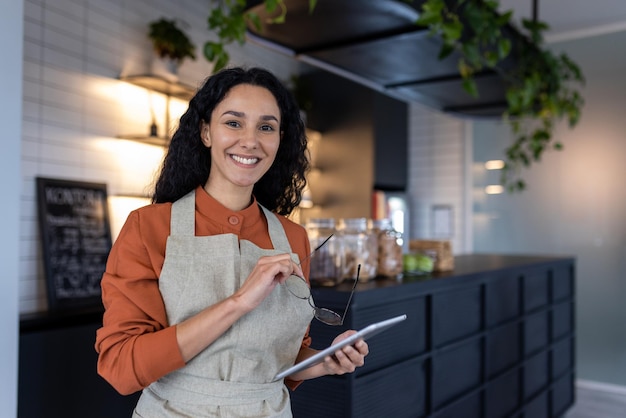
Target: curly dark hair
188,162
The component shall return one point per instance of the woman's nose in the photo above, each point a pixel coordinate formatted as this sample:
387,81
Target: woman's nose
248,139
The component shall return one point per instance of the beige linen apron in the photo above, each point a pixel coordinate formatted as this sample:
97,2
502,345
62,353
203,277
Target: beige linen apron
232,377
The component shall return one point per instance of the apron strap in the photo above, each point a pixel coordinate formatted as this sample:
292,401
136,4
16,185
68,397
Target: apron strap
216,392
183,218
276,230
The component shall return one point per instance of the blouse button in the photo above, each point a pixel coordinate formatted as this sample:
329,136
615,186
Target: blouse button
233,220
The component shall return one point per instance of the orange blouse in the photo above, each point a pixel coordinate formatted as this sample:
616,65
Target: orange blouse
136,345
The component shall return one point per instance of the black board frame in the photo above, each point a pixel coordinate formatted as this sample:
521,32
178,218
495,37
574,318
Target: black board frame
75,231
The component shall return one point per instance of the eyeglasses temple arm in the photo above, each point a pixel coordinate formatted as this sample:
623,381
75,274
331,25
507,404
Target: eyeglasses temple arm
322,244
358,271
316,248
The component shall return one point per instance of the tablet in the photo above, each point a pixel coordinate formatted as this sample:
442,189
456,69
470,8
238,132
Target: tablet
365,333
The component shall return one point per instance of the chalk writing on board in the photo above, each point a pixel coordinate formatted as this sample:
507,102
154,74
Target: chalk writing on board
76,238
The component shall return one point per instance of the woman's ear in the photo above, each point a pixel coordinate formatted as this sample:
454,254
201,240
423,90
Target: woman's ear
204,134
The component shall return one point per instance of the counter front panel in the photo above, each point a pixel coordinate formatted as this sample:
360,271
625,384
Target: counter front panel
493,338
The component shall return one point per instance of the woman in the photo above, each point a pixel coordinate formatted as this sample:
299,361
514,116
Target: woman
196,311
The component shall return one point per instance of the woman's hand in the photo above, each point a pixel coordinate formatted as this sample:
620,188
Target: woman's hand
348,358
344,360
268,272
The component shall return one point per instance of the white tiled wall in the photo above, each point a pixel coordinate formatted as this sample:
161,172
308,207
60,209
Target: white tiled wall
74,105
437,173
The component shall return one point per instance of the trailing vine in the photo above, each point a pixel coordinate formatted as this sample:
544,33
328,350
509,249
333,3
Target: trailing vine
541,86
229,20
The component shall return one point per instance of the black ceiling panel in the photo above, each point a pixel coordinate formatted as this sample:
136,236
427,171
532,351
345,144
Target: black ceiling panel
392,60
376,43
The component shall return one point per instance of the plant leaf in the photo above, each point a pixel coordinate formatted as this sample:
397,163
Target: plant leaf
504,47
427,19
270,5
452,30
211,50
431,13
469,85
221,61
255,20
504,18
492,58
445,51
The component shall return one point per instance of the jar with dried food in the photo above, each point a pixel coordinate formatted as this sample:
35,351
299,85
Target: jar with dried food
389,248
326,262
359,247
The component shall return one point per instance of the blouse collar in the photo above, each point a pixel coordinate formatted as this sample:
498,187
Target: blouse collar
212,209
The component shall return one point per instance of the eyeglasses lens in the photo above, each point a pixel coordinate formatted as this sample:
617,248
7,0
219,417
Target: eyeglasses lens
298,287
328,317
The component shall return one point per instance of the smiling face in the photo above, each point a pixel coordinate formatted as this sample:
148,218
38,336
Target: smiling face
244,135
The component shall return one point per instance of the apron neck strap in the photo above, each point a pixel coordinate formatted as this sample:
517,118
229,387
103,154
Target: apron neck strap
183,218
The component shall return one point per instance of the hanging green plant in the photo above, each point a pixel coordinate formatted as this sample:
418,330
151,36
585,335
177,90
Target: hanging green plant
541,86
229,19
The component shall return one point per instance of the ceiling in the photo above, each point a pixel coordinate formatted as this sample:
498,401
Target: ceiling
572,19
376,43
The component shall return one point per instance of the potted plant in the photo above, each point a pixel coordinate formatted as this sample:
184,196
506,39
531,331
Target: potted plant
171,46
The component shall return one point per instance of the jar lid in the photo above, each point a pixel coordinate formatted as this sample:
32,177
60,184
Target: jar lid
384,223
320,223
353,223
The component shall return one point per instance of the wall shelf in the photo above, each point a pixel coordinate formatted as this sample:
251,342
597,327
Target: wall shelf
164,86
161,85
162,141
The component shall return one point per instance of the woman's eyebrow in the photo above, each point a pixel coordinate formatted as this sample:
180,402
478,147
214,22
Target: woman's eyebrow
234,113
242,114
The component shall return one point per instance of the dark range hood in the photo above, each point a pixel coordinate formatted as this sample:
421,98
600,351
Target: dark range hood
377,44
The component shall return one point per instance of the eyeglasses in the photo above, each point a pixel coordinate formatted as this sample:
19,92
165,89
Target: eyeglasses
298,287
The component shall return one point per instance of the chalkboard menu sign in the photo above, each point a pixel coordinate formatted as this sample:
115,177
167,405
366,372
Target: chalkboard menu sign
76,240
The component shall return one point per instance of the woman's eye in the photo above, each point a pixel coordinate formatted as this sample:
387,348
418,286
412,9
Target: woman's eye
233,123
267,128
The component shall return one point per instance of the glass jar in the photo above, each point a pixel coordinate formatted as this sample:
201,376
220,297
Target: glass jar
359,247
326,262
389,248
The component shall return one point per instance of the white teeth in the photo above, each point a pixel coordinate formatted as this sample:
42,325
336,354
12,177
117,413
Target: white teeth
244,160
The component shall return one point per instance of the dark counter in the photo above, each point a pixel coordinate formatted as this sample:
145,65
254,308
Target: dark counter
57,368
493,338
